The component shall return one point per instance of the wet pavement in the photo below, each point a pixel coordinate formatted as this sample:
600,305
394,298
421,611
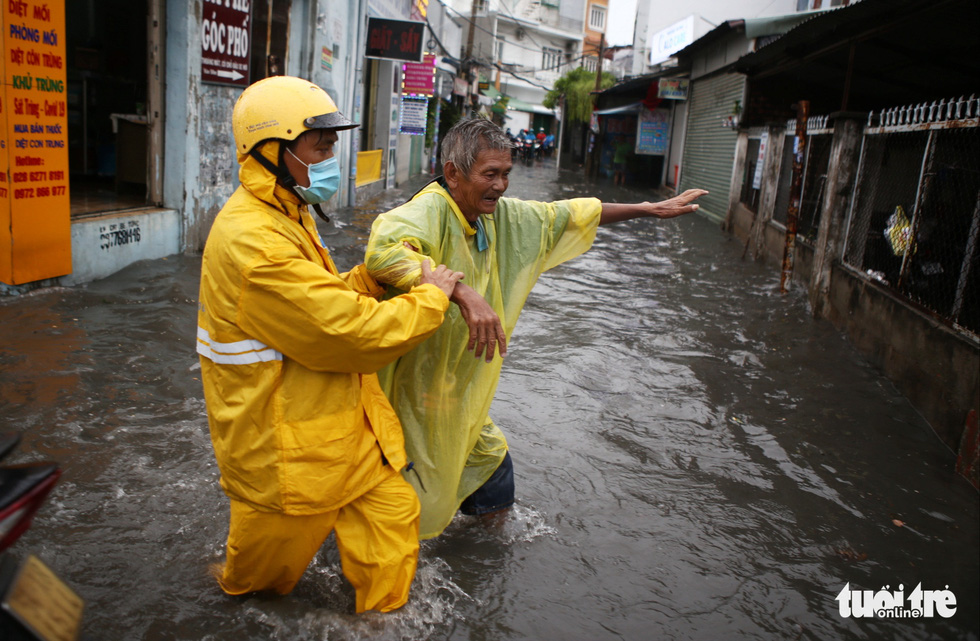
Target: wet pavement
696,458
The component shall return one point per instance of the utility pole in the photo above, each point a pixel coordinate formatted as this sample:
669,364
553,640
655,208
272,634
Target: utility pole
357,86
561,129
592,167
466,69
795,193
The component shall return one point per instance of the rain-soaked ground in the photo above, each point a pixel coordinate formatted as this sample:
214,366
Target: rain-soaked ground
696,458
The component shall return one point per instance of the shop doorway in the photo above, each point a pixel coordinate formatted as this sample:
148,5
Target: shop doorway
107,96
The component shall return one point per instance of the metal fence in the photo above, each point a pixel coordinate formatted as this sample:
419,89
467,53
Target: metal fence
750,193
816,161
915,213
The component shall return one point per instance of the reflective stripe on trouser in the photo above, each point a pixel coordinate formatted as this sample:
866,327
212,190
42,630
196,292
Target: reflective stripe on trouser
377,537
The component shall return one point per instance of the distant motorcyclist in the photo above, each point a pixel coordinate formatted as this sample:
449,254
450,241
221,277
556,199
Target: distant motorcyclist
514,141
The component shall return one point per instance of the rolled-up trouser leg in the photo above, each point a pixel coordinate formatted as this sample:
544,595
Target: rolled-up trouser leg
270,550
378,539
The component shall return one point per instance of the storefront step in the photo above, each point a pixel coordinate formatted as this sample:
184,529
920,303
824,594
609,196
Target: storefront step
103,244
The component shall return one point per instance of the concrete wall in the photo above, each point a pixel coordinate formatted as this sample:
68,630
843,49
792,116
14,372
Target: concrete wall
200,170
773,237
103,245
934,366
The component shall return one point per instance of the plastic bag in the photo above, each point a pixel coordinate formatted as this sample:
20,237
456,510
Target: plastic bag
899,232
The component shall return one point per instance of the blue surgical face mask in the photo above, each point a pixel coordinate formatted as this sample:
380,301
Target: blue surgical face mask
324,180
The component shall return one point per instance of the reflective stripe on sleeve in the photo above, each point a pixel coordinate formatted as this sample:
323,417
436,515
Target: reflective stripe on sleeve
246,352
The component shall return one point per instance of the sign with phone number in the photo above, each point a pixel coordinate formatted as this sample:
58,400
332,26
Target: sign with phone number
34,143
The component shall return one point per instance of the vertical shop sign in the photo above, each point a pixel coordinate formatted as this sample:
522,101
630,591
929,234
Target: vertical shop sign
225,38
35,212
418,82
760,161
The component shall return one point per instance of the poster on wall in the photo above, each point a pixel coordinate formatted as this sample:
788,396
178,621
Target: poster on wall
652,129
35,211
414,115
226,38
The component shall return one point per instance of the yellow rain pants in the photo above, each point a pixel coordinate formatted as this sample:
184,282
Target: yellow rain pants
377,536
440,391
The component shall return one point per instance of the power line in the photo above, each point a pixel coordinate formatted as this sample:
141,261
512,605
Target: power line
484,63
501,66
485,30
439,42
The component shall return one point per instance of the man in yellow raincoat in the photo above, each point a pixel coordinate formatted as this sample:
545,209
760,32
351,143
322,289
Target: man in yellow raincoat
442,394
306,441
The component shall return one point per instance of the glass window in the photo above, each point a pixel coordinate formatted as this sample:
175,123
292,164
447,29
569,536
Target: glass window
551,59
597,17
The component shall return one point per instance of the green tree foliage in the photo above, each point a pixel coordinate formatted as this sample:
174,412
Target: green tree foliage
449,115
577,86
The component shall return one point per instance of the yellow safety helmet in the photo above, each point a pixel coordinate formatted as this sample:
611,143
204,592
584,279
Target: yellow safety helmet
282,107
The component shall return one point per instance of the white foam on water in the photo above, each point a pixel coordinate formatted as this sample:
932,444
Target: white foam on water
320,609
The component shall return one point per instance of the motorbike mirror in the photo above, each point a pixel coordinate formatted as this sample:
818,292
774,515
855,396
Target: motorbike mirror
23,489
8,441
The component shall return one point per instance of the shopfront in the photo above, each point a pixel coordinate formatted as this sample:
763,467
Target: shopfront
116,119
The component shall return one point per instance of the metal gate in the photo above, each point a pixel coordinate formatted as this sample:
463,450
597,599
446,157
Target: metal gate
815,165
915,216
709,148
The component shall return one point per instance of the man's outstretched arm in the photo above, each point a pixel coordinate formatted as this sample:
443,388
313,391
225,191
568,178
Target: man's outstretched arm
670,208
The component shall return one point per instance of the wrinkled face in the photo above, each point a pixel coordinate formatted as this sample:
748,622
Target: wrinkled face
478,192
310,147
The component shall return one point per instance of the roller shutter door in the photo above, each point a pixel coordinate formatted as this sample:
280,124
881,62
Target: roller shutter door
709,149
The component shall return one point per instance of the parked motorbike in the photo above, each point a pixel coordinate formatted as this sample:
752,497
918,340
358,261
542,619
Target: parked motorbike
35,605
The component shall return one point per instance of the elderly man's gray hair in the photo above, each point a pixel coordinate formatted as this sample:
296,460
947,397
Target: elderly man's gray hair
467,138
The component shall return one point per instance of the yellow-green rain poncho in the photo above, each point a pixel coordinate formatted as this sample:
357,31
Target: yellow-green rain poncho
440,391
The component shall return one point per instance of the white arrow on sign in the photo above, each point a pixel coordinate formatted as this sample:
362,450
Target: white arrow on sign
232,74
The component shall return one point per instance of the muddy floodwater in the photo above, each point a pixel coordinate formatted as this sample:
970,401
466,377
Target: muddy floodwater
696,458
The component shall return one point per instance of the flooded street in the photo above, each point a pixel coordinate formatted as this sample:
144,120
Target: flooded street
695,456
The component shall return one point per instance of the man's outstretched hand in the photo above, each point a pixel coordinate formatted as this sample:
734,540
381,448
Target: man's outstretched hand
670,208
678,205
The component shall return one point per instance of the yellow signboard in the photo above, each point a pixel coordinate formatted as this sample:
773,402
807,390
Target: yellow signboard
35,213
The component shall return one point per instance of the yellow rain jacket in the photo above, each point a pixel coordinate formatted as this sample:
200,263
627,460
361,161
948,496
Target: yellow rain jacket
440,391
289,352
